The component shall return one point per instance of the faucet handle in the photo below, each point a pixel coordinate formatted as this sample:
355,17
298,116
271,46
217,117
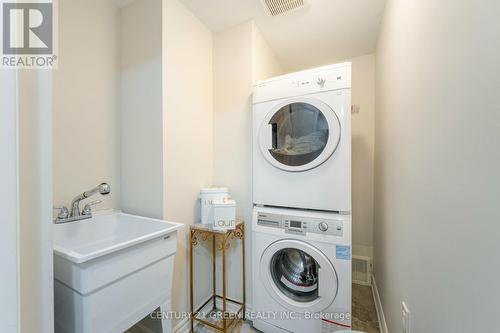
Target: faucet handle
87,209
63,212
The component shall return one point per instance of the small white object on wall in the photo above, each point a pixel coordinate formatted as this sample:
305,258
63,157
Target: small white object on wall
224,214
405,317
208,195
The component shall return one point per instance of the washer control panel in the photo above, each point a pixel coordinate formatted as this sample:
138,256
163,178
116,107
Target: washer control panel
302,225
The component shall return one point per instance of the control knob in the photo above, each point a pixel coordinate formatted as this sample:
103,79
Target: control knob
321,81
323,226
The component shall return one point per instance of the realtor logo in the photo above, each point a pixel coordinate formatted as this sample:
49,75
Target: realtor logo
28,34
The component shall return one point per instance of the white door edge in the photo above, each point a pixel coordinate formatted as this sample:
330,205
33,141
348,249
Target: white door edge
45,107
9,254
41,300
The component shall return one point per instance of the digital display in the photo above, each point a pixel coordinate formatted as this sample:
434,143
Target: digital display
295,224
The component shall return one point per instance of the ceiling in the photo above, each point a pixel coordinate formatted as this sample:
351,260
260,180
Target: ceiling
325,31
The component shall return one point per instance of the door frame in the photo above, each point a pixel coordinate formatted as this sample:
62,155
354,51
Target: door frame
20,304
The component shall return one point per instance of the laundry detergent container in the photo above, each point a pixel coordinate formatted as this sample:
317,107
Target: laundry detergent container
208,195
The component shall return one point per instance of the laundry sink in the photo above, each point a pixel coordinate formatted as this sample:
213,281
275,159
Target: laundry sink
112,270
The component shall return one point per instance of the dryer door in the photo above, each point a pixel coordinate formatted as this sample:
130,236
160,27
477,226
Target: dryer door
298,276
299,134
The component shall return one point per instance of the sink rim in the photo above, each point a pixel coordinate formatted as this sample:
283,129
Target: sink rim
79,258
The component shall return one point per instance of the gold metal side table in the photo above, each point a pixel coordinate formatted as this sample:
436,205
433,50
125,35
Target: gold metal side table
220,242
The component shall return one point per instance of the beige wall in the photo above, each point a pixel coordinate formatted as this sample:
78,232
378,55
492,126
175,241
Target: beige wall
86,144
35,201
265,63
30,228
437,161
363,142
9,285
241,56
141,108
188,131
233,78
119,109
216,149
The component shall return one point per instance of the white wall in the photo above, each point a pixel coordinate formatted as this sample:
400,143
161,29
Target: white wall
265,63
363,143
233,79
437,161
9,256
35,201
241,56
141,114
86,130
187,121
26,281
141,108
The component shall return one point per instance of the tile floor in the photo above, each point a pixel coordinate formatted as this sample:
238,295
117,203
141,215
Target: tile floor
239,327
364,315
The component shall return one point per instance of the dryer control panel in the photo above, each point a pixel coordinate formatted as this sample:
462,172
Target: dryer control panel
328,78
301,225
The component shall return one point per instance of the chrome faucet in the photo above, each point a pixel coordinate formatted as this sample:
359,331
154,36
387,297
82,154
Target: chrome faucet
75,214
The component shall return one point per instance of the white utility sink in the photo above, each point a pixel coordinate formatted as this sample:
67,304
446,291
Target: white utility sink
112,270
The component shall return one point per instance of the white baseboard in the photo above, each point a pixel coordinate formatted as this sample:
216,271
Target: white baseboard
378,306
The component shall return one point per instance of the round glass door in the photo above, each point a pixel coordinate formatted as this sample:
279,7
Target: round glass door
300,134
295,273
298,276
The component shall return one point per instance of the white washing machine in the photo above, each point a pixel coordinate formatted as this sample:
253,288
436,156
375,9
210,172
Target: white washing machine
301,271
302,140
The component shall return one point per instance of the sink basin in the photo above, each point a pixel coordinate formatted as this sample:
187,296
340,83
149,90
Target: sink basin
112,270
105,233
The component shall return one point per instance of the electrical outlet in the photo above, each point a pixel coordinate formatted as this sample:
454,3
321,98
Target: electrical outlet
405,317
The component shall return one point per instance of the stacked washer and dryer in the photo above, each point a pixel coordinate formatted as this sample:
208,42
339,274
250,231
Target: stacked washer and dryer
301,227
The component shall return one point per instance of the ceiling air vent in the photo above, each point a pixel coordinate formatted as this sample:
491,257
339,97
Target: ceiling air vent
278,7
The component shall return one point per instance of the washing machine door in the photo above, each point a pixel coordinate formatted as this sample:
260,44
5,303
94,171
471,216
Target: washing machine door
299,134
298,276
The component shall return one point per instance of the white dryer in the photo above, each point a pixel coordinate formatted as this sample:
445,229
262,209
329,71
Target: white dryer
301,271
302,140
